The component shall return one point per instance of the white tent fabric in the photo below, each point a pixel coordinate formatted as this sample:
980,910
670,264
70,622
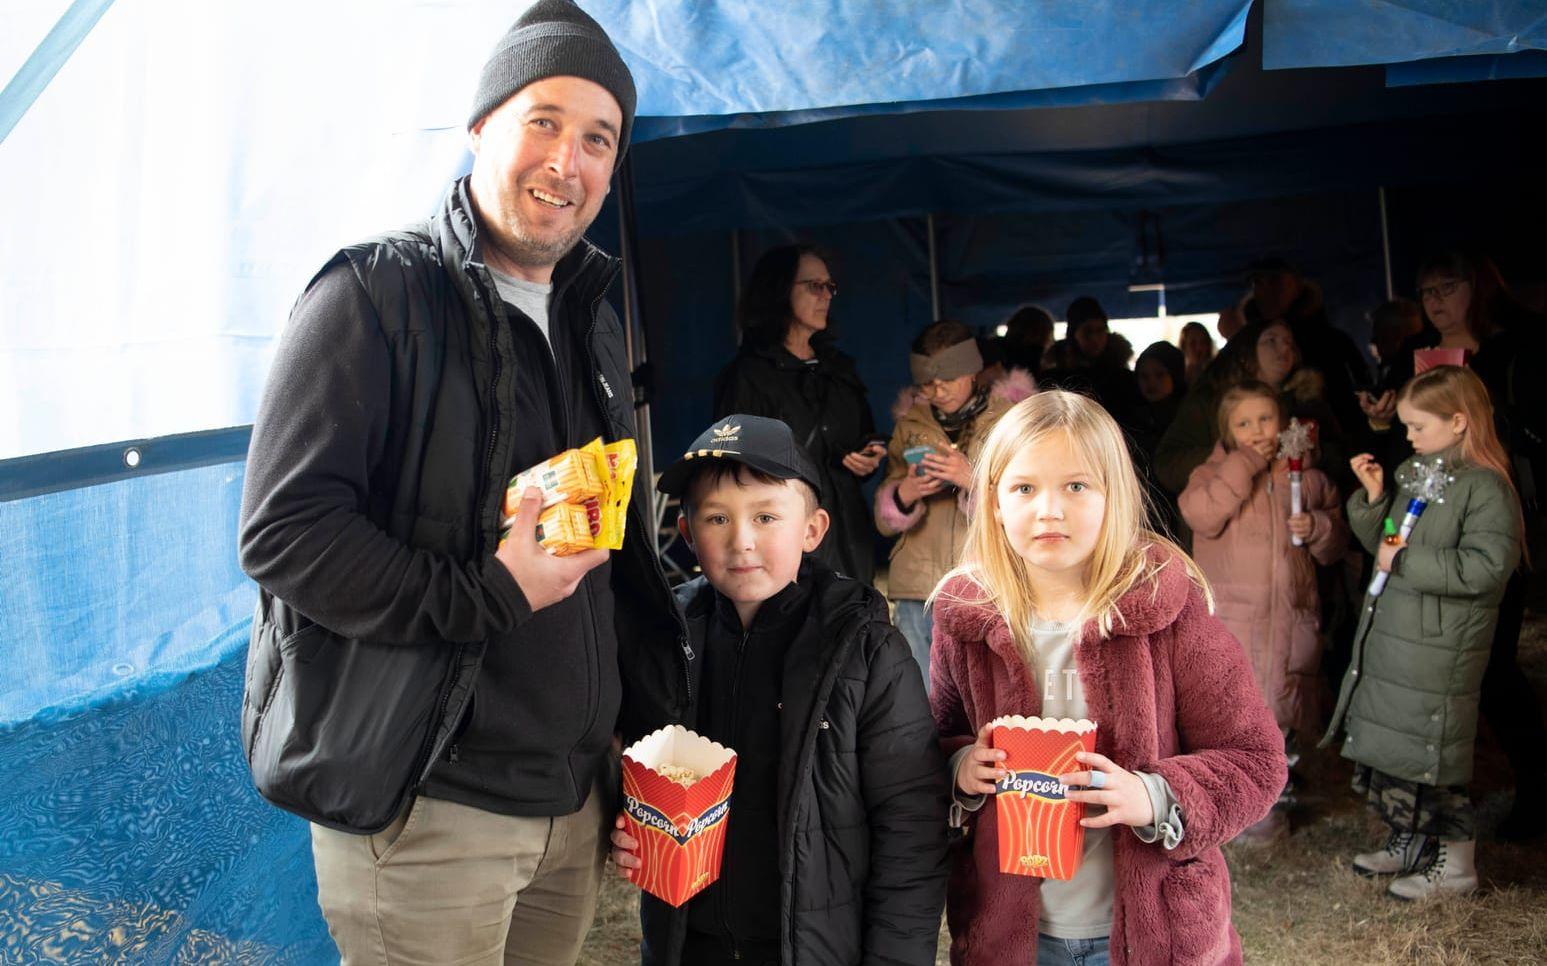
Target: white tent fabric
172,187
177,182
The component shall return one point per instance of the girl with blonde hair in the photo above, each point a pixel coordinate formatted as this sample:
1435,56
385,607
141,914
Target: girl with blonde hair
1408,704
1067,604
1238,507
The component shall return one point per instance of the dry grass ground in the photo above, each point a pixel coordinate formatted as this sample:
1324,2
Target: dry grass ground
1297,903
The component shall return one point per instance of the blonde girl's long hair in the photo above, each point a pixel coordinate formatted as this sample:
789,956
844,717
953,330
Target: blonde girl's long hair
1121,560
1446,390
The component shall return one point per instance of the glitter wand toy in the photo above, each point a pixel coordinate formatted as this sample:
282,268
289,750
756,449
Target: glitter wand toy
1293,443
1427,485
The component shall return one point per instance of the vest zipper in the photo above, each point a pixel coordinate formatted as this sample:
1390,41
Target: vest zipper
494,415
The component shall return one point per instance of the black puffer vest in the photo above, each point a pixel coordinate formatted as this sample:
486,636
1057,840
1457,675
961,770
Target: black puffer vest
361,665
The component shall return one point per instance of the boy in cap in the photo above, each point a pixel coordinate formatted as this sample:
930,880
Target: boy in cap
439,706
835,849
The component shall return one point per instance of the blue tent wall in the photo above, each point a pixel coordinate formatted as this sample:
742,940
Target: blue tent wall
989,265
128,829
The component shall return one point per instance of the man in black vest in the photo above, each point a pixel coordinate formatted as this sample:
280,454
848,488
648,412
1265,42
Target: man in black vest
439,706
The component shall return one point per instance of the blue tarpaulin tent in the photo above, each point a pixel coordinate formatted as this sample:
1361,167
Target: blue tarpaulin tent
171,173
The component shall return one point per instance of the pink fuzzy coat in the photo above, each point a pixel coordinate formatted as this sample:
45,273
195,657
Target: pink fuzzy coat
1241,541
1172,694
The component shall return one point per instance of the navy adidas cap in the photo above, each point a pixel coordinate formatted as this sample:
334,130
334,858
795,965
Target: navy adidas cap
764,444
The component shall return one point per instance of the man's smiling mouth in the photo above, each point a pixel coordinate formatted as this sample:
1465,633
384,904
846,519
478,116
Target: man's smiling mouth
552,201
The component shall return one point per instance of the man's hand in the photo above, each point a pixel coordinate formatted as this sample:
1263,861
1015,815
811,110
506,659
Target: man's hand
1379,412
543,578
950,465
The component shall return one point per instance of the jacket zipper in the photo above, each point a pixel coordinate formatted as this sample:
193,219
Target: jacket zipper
685,650
725,889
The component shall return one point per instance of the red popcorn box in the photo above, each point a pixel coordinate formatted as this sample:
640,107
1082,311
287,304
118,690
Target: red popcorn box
1039,830
676,803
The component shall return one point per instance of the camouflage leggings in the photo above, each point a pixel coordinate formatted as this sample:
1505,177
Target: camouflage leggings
1443,811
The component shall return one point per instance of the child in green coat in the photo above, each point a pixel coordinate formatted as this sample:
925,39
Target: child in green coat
1408,703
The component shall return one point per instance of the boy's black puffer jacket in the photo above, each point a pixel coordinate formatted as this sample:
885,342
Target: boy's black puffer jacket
862,790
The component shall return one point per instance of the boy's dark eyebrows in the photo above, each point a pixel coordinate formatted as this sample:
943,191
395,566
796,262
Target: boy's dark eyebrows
755,504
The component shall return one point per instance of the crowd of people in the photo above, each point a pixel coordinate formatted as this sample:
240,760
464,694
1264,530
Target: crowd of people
1286,560
446,702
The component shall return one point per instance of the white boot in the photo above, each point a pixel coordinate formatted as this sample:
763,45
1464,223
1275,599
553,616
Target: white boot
1400,855
1453,872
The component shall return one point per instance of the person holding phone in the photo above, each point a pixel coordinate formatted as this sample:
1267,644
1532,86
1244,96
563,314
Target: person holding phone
941,422
1468,306
789,368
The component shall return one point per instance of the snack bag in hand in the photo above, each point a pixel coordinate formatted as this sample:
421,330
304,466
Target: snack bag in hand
573,476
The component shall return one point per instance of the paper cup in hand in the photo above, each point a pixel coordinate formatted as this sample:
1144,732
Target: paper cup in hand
1039,829
676,803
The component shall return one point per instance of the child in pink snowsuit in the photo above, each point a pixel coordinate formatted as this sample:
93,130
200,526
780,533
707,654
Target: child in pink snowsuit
1238,506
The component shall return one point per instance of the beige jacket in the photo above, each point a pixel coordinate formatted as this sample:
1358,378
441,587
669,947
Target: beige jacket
930,538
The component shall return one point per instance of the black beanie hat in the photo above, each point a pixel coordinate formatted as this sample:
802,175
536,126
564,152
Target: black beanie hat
554,38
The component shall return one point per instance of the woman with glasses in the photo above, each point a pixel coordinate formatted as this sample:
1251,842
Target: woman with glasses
789,368
1468,306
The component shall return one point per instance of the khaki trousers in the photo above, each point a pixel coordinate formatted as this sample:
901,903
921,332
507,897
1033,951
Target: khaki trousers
448,883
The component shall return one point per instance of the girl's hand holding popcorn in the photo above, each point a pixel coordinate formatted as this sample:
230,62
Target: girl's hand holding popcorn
1122,792
982,767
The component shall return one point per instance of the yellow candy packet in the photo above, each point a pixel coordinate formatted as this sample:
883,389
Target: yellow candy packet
622,458
586,493
563,529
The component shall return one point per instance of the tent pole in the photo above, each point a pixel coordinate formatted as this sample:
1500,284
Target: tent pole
736,280
934,270
638,351
1385,242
